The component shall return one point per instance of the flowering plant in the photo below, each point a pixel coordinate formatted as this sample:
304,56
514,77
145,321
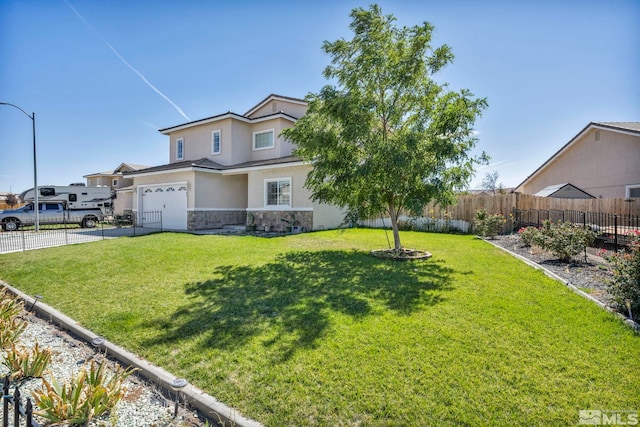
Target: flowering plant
625,285
563,239
488,225
527,235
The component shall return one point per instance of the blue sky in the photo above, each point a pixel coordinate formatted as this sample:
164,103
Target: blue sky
103,76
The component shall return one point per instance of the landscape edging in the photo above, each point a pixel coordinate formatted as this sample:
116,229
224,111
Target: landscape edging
197,398
630,322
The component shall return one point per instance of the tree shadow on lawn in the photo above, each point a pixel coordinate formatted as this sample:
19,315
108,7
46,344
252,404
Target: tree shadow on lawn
290,300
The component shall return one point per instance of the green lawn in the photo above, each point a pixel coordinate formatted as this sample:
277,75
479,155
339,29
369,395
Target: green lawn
311,330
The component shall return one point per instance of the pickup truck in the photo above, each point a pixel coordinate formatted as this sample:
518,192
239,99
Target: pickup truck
50,213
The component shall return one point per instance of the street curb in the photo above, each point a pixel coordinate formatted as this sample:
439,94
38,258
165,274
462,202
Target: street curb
197,398
631,323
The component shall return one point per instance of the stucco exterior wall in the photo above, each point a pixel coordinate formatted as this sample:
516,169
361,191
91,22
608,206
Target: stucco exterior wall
241,134
197,142
236,141
601,162
123,202
326,217
300,196
100,181
272,216
216,191
281,148
107,181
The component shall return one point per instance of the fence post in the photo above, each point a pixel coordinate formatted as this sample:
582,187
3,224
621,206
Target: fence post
24,243
29,412
615,233
66,231
161,229
102,228
5,402
16,408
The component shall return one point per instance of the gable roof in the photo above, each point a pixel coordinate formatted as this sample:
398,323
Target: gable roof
553,189
630,128
118,170
274,97
132,166
227,115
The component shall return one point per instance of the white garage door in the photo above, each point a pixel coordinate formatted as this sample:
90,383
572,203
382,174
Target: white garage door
171,200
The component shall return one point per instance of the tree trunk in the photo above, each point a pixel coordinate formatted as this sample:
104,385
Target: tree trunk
393,214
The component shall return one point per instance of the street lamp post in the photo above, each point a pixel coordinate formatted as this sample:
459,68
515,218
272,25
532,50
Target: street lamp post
35,168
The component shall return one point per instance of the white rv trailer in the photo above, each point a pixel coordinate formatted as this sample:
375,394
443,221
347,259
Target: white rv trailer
73,196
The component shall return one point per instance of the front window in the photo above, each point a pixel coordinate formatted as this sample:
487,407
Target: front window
263,139
115,182
278,192
215,142
179,148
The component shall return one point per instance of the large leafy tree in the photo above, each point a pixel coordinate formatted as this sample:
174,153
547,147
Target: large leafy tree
386,138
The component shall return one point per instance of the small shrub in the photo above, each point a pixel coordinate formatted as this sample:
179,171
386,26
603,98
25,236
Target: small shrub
25,363
87,395
488,225
11,326
10,331
563,239
10,307
527,235
625,284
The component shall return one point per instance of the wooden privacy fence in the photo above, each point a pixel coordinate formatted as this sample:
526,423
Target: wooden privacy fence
467,205
5,205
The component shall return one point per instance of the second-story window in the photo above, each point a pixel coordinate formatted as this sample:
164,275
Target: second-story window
263,139
179,148
215,142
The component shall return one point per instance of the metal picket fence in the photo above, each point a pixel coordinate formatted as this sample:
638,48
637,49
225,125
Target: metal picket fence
49,235
19,411
613,230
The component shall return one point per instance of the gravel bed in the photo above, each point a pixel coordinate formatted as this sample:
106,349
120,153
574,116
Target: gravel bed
588,272
143,405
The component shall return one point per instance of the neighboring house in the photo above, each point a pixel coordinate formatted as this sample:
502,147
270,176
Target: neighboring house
113,179
121,185
602,160
233,169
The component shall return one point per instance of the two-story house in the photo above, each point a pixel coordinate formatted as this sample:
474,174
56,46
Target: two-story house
233,169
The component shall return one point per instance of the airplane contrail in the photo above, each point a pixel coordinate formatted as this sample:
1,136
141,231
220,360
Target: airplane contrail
124,61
